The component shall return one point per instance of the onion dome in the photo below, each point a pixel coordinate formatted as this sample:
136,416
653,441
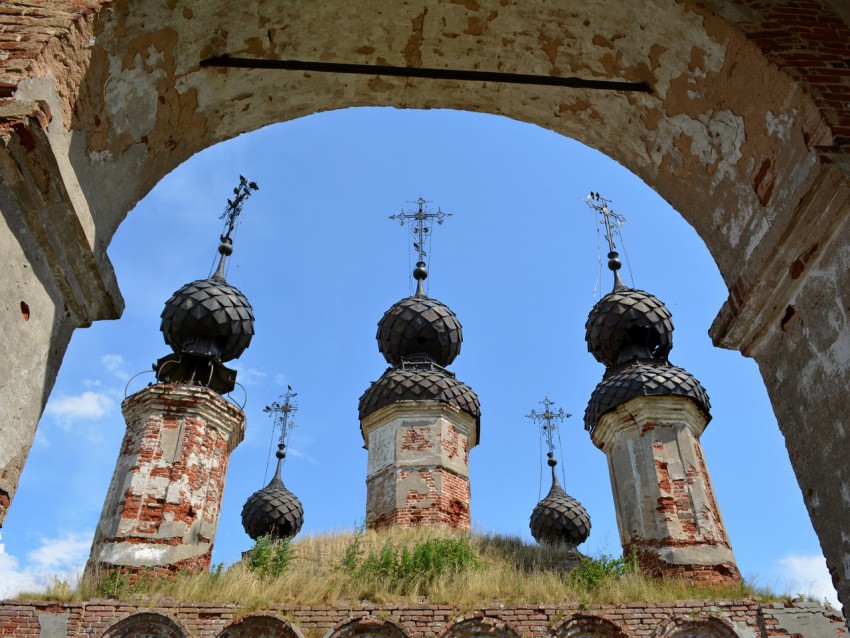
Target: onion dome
419,380
628,323
643,378
209,317
559,518
273,510
419,325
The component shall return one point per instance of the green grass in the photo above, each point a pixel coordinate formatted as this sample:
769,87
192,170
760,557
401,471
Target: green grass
405,565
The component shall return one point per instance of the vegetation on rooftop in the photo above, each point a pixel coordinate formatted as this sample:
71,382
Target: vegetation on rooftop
403,565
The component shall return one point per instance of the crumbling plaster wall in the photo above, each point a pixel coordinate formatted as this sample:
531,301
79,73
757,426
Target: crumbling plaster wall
746,134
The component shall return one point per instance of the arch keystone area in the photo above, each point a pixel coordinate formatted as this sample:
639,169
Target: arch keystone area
588,626
261,626
746,133
146,624
368,627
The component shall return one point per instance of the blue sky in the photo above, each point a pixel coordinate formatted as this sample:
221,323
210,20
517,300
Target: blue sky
320,262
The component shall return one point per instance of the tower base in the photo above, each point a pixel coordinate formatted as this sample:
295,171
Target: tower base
161,511
418,470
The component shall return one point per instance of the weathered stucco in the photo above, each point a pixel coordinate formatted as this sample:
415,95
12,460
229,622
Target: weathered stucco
746,134
665,503
162,506
418,466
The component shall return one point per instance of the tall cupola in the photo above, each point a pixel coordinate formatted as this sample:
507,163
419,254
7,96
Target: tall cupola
208,321
418,420
274,510
647,415
161,511
558,519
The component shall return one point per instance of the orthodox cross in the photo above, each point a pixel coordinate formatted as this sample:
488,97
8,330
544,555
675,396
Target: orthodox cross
548,421
419,221
612,222
282,415
234,206
231,216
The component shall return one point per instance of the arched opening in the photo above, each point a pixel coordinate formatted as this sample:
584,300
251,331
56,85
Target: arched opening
320,262
260,626
588,626
145,624
729,138
367,628
710,627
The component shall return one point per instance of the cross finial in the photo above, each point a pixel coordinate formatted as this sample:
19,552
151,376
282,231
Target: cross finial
283,413
231,215
548,421
419,222
612,222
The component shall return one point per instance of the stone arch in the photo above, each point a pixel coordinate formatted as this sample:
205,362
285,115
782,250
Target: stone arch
740,134
367,628
588,626
146,625
261,626
479,626
703,627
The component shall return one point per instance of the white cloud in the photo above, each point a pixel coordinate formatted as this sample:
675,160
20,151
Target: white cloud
298,454
88,405
280,379
809,575
249,376
114,364
63,557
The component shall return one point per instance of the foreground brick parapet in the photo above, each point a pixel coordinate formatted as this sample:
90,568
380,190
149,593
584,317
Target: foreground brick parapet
705,619
161,511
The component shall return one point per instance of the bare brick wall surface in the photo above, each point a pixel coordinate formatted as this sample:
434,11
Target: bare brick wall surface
703,619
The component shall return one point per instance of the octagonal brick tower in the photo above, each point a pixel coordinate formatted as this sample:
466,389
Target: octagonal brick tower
162,507
418,421
647,415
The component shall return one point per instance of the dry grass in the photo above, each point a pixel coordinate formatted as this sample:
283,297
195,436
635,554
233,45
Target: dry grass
507,570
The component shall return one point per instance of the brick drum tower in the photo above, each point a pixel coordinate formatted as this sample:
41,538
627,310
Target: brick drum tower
162,506
647,416
418,421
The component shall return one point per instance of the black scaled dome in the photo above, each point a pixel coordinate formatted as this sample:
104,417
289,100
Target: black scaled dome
419,325
643,378
422,381
559,518
273,510
627,323
208,317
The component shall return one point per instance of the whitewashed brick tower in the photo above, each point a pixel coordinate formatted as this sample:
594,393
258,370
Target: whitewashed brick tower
162,507
647,415
418,421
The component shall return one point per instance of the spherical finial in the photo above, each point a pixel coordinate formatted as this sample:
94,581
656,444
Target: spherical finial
614,262
420,272
226,246
281,452
552,462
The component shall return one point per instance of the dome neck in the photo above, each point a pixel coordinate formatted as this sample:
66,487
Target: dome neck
614,265
420,274
225,248
556,484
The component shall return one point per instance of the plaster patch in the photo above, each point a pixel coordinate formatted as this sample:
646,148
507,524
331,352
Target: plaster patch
780,125
131,98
